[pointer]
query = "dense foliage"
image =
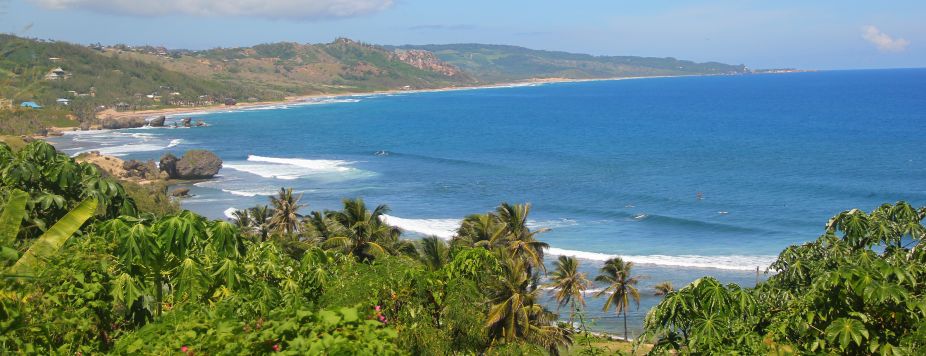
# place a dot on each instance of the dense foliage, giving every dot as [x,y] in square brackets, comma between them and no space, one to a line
[858,289]
[272,280]
[85,272]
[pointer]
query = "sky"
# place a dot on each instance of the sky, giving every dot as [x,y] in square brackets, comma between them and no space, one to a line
[818,34]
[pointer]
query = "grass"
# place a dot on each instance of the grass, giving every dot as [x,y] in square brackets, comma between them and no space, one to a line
[29,121]
[596,345]
[15,142]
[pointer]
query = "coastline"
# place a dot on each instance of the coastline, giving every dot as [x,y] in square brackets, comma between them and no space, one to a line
[112,114]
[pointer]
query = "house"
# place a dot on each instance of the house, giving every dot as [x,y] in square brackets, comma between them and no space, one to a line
[30,104]
[54,59]
[62,101]
[57,74]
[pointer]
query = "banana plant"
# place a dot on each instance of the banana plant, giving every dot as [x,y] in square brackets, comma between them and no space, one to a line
[46,245]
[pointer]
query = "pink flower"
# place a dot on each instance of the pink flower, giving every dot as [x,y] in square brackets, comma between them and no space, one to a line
[377,308]
[184,349]
[276,347]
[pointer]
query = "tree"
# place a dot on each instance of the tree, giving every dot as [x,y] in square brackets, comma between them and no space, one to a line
[286,211]
[621,287]
[434,252]
[362,233]
[569,284]
[261,221]
[664,288]
[515,314]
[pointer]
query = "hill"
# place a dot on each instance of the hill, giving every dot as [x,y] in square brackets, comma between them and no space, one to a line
[285,68]
[28,73]
[501,63]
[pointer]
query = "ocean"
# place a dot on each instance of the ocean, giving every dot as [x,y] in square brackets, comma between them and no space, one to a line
[686,176]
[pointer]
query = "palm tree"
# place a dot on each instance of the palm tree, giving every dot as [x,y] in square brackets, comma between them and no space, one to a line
[261,220]
[362,233]
[569,283]
[621,286]
[286,211]
[434,252]
[664,288]
[480,230]
[516,315]
[521,241]
[242,219]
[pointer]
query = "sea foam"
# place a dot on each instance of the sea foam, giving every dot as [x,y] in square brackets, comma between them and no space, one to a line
[230,212]
[295,168]
[446,229]
[443,228]
[730,262]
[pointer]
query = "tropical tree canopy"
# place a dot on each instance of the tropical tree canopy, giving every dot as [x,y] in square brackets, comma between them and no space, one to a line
[857,289]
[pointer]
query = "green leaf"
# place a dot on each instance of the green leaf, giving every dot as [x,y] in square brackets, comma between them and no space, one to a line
[846,330]
[13,213]
[350,314]
[52,240]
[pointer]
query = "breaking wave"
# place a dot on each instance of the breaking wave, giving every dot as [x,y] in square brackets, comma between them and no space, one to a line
[730,262]
[295,168]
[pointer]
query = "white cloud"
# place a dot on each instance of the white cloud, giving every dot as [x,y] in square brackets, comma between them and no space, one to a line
[272,9]
[883,41]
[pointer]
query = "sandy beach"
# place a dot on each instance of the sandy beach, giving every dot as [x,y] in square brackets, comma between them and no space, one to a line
[113,114]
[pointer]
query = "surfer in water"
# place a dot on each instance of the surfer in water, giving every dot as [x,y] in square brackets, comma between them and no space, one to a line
[699,196]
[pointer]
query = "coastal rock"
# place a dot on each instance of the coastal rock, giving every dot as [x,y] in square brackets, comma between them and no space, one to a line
[198,164]
[180,192]
[168,164]
[186,121]
[139,169]
[123,122]
[158,121]
[195,164]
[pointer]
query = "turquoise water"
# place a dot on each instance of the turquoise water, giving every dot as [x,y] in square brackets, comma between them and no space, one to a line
[684,176]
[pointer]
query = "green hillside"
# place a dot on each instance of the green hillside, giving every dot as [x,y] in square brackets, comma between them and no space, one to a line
[94,77]
[499,63]
[298,69]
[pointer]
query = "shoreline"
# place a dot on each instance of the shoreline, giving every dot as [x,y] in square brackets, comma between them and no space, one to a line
[169,112]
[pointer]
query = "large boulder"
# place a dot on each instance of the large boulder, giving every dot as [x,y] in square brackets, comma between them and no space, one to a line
[123,122]
[182,192]
[195,164]
[158,121]
[168,164]
[139,169]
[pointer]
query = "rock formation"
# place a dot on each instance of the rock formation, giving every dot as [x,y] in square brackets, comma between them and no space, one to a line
[139,169]
[195,164]
[158,121]
[168,164]
[123,122]
[426,60]
[180,192]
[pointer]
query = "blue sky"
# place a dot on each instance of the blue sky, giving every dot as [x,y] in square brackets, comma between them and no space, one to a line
[820,34]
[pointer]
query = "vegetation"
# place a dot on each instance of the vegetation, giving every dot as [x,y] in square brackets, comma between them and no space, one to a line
[855,290]
[87,271]
[499,63]
[620,287]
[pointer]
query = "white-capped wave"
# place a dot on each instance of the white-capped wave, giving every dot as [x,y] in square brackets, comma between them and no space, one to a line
[122,150]
[295,168]
[174,142]
[731,262]
[443,228]
[230,212]
[249,193]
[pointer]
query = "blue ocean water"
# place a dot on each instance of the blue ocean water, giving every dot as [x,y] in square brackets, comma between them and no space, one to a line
[685,176]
